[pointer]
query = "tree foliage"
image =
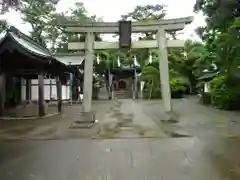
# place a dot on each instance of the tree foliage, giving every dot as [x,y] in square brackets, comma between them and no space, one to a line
[189,61]
[219,14]
[39,15]
[44,21]
[221,36]
[151,77]
[146,12]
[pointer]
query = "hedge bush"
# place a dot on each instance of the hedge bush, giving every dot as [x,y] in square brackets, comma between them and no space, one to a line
[177,88]
[225,93]
[156,94]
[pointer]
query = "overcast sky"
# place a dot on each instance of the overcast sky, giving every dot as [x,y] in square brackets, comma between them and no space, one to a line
[111,10]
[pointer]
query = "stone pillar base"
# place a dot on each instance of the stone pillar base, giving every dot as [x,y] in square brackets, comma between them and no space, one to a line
[170,117]
[86,120]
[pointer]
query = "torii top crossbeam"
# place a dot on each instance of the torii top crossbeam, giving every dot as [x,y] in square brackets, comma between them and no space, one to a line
[137,27]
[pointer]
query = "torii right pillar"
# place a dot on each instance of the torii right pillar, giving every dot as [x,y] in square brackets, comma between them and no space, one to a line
[164,69]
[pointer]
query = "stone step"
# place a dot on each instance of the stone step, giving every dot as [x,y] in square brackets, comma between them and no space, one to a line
[122,94]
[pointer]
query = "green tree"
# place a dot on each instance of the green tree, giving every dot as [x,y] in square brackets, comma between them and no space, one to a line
[46,23]
[221,33]
[151,76]
[3,25]
[146,12]
[219,16]
[39,14]
[221,36]
[77,15]
[190,61]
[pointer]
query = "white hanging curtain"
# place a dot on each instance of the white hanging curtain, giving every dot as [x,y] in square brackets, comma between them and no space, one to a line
[150,57]
[118,61]
[98,59]
[110,79]
[135,62]
[142,85]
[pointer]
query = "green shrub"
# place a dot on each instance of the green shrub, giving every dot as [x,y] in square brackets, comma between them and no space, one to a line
[177,88]
[156,93]
[225,94]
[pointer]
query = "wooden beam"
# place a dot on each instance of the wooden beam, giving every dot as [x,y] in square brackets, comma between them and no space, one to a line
[114,29]
[98,45]
[59,95]
[28,90]
[59,55]
[72,59]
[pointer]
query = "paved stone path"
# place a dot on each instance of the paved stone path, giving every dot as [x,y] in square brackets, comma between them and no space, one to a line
[197,120]
[124,149]
[129,119]
[131,159]
[56,127]
[126,119]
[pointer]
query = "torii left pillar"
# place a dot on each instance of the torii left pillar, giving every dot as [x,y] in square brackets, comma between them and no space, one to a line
[88,73]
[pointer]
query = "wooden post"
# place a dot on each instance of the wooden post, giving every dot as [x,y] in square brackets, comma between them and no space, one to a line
[164,71]
[88,73]
[2,92]
[141,89]
[135,84]
[50,93]
[109,84]
[66,91]
[59,94]
[41,109]
[28,90]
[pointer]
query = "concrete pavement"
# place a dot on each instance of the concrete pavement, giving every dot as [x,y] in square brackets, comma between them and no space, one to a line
[135,159]
[133,143]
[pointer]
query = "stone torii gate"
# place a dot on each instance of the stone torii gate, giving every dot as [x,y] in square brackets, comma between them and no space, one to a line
[159,26]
